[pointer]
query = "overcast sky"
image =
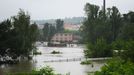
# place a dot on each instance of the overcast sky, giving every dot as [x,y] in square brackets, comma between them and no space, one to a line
[51,9]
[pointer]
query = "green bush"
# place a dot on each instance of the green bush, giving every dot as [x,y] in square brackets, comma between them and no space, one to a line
[118,44]
[125,49]
[117,67]
[118,47]
[55,52]
[128,53]
[86,62]
[37,53]
[98,49]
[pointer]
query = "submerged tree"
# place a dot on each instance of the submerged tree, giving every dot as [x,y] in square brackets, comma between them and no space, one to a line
[18,35]
[97,26]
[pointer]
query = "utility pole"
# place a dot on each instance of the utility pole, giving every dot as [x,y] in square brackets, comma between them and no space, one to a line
[104,8]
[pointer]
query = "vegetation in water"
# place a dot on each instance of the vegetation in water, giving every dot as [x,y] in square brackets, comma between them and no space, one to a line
[110,34]
[17,36]
[85,62]
[99,49]
[36,53]
[43,71]
[55,52]
[117,66]
[105,32]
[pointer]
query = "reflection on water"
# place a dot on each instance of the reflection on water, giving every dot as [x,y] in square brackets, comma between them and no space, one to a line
[74,67]
[24,66]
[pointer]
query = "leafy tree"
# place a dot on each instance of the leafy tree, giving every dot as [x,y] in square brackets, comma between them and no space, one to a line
[127,31]
[59,25]
[5,30]
[21,24]
[49,30]
[34,33]
[96,27]
[115,21]
[119,44]
[52,31]
[46,31]
[17,35]
[128,53]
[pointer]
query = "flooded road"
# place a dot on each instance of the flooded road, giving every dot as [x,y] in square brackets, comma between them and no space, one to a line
[72,67]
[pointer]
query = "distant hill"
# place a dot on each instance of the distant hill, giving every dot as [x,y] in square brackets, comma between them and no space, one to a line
[73,20]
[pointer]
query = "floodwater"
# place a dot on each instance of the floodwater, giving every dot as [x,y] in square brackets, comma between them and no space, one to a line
[72,67]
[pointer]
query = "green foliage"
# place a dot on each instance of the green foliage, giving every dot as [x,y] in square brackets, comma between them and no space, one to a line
[43,71]
[118,35]
[117,67]
[119,44]
[72,31]
[124,49]
[114,29]
[48,31]
[86,62]
[5,33]
[18,35]
[25,33]
[36,53]
[115,21]
[55,52]
[98,49]
[95,26]
[127,31]
[128,53]
[118,47]
[59,25]
[51,32]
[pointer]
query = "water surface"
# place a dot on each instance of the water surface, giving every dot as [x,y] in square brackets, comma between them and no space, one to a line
[74,67]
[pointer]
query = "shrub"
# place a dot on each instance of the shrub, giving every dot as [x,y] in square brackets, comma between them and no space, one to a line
[37,53]
[117,67]
[128,53]
[55,52]
[86,62]
[98,49]
[118,44]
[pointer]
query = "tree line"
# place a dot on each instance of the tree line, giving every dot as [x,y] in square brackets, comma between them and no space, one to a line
[49,30]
